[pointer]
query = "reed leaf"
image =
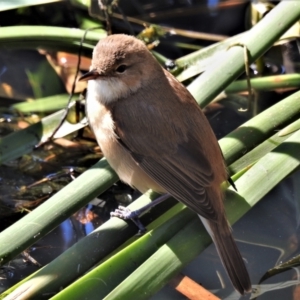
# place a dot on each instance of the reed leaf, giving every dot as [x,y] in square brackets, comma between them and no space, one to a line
[39,222]
[259,128]
[266,83]
[46,104]
[225,70]
[49,37]
[23,141]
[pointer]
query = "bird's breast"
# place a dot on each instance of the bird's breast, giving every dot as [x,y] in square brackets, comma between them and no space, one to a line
[102,123]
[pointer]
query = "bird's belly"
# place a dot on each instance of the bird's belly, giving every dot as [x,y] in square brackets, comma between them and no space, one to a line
[126,168]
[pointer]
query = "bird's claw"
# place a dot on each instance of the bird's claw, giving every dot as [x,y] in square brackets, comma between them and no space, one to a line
[125,213]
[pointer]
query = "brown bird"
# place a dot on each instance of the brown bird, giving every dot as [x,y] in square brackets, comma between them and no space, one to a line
[155,136]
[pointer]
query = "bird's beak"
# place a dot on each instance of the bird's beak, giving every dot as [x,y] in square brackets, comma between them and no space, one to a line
[93,74]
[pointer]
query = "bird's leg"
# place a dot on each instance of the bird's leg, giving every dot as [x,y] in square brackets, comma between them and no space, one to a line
[125,213]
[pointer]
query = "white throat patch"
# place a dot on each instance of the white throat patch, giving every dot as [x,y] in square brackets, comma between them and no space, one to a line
[107,90]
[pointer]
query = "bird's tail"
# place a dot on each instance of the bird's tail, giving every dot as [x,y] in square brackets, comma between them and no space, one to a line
[229,254]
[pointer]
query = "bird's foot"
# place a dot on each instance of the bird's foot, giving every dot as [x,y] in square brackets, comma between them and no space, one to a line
[125,213]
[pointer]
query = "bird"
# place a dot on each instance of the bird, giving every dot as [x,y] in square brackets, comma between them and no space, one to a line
[155,136]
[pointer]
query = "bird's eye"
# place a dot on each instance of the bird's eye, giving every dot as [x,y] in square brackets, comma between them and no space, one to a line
[121,68]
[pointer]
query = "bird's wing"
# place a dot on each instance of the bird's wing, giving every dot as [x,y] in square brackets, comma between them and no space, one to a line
[167,142]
